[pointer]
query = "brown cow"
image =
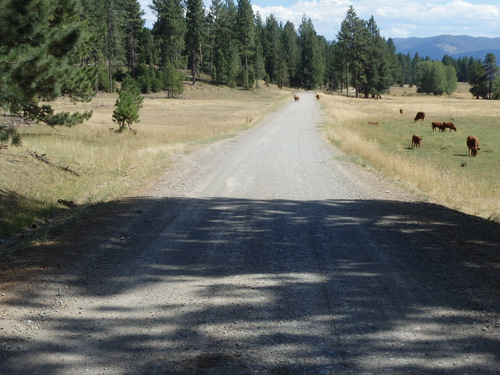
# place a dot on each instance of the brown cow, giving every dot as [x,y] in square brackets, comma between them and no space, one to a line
[449,125]
[415,141]
[473,145]
[296,98]
[436,125]
[419,116]
[401,111]
[317,96]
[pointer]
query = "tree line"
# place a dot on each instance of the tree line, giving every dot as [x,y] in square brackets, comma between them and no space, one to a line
[51,48]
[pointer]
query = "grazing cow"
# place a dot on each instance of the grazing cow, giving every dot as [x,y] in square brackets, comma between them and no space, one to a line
[401,111]
[449,125]
[296,98]
[372,122]
[442,128]
[415,141]
[317,96]
[419,116]
[436,125]
[473,145]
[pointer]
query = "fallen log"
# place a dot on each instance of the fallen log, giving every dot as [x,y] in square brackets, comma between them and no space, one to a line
[42,158]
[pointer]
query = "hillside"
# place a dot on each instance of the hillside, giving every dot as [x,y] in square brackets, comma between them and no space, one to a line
[453,45]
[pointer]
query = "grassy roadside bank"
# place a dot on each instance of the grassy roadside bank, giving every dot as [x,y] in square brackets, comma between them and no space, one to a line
[375,133]
[111,165]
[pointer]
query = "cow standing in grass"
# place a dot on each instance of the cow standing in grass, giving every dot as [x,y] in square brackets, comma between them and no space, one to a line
[419,116]
[436,125]
[449,125]
[473,145]
[415,141]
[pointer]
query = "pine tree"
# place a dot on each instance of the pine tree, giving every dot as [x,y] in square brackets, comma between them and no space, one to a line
[379,62]
[290,43]
[478,80]
[311,62]
[195,31]
[169,29]
[38,51]
[491,69]
[351,48]
[115,52]
[128,105]
[246,35]
[133,27]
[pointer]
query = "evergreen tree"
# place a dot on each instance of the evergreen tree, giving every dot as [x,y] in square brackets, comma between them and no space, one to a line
[224,52]
[311,62]
[272,42]
[38,51]
[133,28]
[478,80]
[169,30]
[378,64]
[291,54]
[128,105]
[246,36]
[352,43]
[115,51]
[491,69]
[195,31]
[172,81]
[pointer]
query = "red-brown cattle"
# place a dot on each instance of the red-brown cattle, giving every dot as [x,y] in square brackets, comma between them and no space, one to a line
[436,125]
[401,111]
[415,141]
[296,98]
[473,145]
[317,96]
[449,125]
[419,116]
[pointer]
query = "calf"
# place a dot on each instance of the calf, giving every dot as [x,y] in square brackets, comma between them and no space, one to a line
[419,116]
[296,98]
[449,125]
[415,141]
[473,145]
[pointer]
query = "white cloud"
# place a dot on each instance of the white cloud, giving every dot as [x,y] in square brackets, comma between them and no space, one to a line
[396,18]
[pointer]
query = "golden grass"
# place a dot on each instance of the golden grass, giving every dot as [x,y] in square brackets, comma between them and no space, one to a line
[112,165]
[441,168]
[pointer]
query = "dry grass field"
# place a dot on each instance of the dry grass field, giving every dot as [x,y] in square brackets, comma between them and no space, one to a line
[441,169]
[111,165]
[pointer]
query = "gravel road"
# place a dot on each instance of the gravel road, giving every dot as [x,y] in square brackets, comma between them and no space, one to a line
[266,253]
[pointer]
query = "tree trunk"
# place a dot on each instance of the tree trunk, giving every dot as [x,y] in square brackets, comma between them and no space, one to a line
[193,66]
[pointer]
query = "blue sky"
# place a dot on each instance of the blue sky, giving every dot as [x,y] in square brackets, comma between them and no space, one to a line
[395,18]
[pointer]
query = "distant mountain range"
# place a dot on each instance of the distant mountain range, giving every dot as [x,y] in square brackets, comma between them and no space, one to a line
[452,45]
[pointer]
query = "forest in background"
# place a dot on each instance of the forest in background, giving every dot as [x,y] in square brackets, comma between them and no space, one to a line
[76,48]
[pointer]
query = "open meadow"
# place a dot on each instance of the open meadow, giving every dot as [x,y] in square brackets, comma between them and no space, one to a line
[370,132]
[375,133]
[111,165]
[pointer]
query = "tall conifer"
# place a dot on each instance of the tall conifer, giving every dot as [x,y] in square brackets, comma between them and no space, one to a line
[38,51]
[195,31]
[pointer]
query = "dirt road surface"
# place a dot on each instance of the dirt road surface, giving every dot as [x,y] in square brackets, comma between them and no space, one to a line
[267,253]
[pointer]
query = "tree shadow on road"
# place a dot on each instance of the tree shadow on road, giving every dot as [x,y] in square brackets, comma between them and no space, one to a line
[271,287]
